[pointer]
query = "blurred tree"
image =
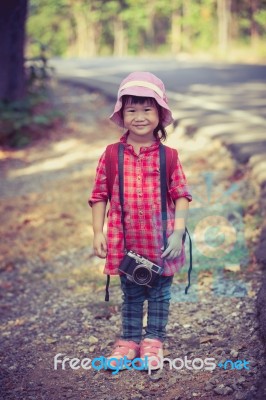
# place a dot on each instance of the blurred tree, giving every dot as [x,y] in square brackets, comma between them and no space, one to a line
[50,23]
[223,13]
[254,26]
[12,35]
[96,27]
[151,24]
[137,22]
[260,18]
[257,20]
[176,26]
[248,20]
[87,27]
[114,14]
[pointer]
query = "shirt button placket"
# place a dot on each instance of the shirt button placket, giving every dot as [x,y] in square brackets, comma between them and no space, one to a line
[140,194]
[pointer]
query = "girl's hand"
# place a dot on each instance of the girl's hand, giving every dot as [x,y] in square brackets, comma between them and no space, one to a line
[100,245]
[174,245]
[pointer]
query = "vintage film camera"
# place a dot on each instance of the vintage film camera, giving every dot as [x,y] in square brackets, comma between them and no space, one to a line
[140,270]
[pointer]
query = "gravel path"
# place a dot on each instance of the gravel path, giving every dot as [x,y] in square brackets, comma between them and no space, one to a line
[52,287]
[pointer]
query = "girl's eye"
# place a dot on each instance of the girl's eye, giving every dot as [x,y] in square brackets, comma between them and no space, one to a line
[147,109]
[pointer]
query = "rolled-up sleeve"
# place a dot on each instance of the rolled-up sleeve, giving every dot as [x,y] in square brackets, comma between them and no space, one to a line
[99,191]
[178,183]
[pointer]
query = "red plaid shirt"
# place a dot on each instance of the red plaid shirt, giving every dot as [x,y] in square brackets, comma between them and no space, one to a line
[143,225]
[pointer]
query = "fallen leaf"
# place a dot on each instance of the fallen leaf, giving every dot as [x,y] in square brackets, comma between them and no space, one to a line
[206,339]
[232,268]
[51,340]
[93,340]
[166,353]
[251,293]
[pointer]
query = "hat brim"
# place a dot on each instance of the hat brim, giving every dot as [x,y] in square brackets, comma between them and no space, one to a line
[116,117]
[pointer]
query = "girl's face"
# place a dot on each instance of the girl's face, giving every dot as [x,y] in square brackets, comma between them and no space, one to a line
[141,118]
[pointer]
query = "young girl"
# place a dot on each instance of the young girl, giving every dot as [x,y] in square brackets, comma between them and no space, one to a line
[141,109]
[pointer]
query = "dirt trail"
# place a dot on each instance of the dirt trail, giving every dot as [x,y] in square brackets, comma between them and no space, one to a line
[52,287]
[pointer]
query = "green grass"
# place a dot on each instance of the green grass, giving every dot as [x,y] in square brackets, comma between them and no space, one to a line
[22,121]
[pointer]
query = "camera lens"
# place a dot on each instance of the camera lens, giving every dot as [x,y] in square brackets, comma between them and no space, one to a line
[142,275]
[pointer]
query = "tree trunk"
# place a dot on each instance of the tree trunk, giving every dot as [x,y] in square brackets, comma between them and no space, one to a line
[150,30]
[81,34]
[223,12]
[12,38]
[253,25]
[175,33]
[234,20]
[120,40]
[87,32]
[186,43]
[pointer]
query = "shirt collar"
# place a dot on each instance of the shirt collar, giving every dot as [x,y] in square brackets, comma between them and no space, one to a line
[152,147]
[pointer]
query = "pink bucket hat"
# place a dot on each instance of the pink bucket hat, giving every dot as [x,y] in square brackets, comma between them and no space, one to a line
[143,84]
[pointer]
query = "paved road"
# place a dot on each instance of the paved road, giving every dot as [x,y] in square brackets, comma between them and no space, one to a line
[210,99]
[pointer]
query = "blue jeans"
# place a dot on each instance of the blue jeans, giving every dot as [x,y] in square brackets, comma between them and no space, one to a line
[158,298]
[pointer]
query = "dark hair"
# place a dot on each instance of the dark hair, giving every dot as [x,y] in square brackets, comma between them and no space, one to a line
[150,100]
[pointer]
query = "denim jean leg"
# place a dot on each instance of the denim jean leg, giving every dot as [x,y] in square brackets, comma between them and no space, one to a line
[132,309]
[158,308]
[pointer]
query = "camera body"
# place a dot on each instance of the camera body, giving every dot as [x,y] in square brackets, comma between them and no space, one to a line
[140,270]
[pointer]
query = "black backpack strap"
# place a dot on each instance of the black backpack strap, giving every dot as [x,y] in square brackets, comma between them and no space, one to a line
[163,185]
[121,196]
[110,166]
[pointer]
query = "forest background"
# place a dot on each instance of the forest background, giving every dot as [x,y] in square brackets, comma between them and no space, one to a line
[227,29]
[33,31]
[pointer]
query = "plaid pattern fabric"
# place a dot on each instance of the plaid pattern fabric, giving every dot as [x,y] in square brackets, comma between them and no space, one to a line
[143,225]
[158,308]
